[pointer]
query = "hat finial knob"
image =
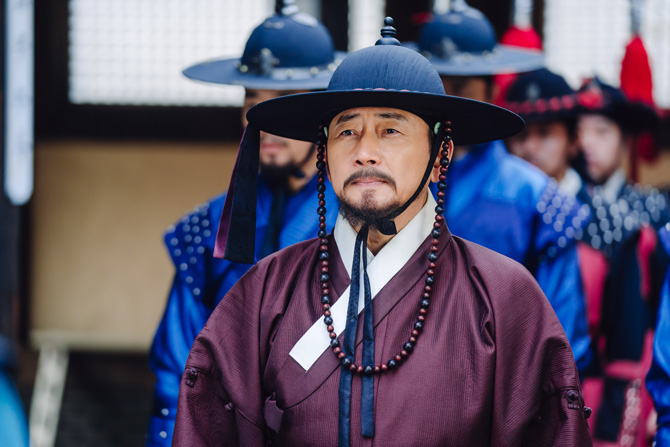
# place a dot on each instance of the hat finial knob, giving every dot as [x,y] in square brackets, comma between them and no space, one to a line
[286,7]
[388,33]
[458,5]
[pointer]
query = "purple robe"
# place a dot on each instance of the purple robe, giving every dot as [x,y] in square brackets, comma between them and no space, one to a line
[491,367]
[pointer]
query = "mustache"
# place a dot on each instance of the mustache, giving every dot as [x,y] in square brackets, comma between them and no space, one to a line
[369,172]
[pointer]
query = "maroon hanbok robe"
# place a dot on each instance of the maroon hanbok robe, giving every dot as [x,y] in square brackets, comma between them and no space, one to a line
[491,367]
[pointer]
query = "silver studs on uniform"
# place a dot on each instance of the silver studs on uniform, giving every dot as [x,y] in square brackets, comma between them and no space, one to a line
[615,222]
[187,242]
[560,212]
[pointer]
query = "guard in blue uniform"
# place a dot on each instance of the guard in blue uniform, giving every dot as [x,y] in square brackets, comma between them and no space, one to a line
[658,379]
[289,52]
[625,220]
[495,198]
[622,265]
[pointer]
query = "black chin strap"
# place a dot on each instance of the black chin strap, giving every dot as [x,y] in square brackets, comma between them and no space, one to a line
[298,171]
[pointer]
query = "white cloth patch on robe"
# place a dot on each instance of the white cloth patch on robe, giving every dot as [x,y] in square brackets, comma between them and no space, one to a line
[381,269]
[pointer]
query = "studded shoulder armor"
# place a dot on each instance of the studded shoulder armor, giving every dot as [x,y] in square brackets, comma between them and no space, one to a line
[614,223]
[190,242]
[561,220]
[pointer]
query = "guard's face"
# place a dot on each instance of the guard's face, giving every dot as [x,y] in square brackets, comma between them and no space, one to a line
[275,151]
[546,145]
[376,157]
[480,88]
[603,144]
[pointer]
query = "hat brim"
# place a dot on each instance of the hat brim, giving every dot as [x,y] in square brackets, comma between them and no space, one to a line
[226,71]
[503,59]
[634,116]
[534,116]
[298,116]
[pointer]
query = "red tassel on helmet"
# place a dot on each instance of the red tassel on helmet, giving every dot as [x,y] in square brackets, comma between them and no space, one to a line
[636,83]
[516,36]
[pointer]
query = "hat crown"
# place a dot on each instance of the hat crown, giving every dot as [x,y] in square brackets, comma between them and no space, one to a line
[608,94]
[540,84]
[295,40]
[386,66]
[635,116]
[462,29]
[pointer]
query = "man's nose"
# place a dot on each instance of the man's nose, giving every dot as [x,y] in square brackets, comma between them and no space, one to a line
[367,151]
[530,146]
[584,141]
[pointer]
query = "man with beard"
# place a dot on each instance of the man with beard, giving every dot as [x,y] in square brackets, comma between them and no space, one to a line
[495,199]
[288,52]
[456,344]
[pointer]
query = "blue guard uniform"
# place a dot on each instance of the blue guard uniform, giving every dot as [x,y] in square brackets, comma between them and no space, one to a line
[621,262]
[202,280]
[496,199]
[289,51]
[503,203]
[658,379]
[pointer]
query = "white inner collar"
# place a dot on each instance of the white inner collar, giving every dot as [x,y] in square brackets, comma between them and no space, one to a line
[571,182]
[611,188]
[381,269]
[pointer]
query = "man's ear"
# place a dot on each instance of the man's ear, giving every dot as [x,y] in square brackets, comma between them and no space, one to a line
[435,173]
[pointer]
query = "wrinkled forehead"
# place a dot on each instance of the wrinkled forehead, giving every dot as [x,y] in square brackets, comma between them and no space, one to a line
[377,113]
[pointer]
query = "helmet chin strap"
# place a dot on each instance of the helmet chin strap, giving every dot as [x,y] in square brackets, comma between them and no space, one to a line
[386,225]
[298,172]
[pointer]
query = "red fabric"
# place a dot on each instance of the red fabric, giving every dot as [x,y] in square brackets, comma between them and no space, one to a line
[636,83]
[645,249]
[592,389]
[593,268]
[516,37]
[636,80]
[521,37]
[421,18]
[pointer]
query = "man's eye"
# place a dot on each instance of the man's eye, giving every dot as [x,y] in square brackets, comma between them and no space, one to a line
[347,132]
[390,131]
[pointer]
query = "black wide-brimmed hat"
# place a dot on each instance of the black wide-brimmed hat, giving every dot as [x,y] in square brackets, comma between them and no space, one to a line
[385,75]
[541,95]
[596,97]
[462,42]
[288,51]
